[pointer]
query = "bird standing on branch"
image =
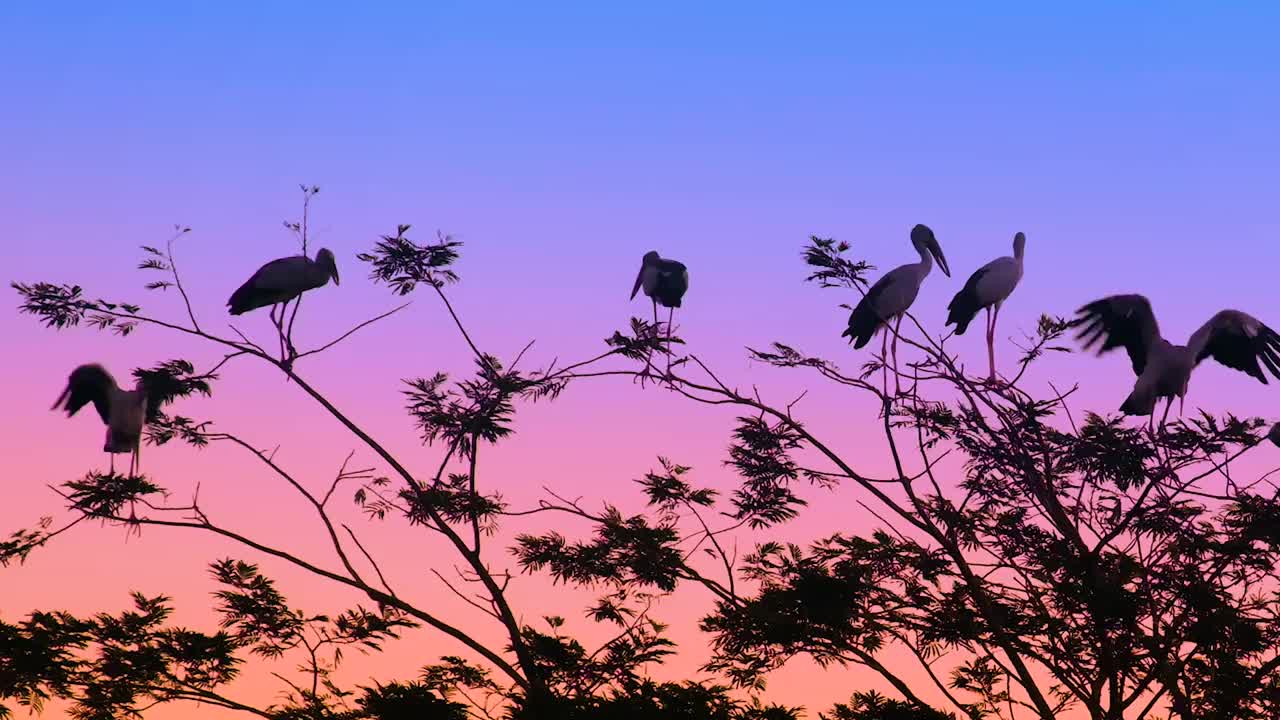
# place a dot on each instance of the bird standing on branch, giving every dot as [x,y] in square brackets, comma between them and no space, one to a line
[1233,338]
[986,289]
[665,282]
[891,297]
[124,412]
[281,281]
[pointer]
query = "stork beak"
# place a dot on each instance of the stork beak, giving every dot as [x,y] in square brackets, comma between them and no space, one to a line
[639,280]
[936,250]
[335,276]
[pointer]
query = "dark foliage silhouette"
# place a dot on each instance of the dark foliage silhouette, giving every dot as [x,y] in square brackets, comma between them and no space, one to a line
[1026,563]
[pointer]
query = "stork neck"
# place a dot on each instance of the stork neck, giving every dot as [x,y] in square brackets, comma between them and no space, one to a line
[926,260]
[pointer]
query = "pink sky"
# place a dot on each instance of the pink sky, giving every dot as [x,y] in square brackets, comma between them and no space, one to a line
[560,147]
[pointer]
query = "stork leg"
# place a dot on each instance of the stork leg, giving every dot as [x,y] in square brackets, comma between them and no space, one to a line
[897,379]
[1164,418]
[288,335]
[987,312]
[279,334]
[648,358]
[286,342]
[991,340]
[112,457]
[670,314]
[884,357]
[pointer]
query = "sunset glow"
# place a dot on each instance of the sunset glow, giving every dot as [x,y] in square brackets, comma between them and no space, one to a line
[1136,148]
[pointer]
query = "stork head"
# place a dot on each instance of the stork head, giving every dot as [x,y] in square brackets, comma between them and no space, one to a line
[1019,245]
[324,258]
[924,241]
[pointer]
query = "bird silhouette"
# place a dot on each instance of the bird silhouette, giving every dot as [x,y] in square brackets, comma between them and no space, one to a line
[892,295]
[1231,337]
[665,282]
[987,289]
[281,281]
[125,412]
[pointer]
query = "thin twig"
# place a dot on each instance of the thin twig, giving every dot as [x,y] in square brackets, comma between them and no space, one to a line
[352,331]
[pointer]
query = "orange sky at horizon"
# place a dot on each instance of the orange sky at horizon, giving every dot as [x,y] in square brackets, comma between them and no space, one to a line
[1134,147]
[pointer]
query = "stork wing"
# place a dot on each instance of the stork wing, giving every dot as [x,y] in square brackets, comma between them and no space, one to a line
[1119,320]
[87,384]
[285,273]
[866,316]
[872,300]
[969,293]
[278,281]
[673,271]
[1238,340]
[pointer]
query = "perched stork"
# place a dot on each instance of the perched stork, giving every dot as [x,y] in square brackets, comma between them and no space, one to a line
[893,294]
[665,282]
[1233,338]
[986,289]
[282,280]
[125,412]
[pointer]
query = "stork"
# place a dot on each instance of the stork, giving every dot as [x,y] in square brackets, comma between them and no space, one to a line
[665,283]
[987,289]
[124,412]
[1233,338]
[892,295]
[282,280]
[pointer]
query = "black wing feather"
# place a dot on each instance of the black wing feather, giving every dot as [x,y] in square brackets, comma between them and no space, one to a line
[1229,342]
[255,293]
[1119,321]
[864,320]
[87,384]
[673,283]
[965,305]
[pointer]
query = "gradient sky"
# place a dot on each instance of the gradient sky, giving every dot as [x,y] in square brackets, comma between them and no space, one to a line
[1136,147]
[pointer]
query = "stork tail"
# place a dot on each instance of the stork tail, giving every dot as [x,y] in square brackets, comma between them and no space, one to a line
[1139,402]
[241,300]
[962,312]
[863,323]
[965,305]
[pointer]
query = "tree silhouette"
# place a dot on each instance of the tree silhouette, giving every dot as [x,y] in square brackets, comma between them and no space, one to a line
[1031,565]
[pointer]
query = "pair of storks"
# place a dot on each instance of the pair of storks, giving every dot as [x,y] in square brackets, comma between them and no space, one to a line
[1231,337]
[892,295]
[126,412]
